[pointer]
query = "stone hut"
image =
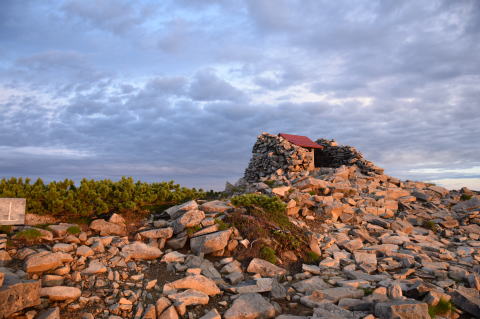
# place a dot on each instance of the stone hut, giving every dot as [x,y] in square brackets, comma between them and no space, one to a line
[284,157]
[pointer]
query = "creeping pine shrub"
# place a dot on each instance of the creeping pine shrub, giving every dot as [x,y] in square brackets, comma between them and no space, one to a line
[221,224]
[268,254]
[73,230]
[367,291]
[270,221]
[30,234]
[5,229]
[91,198]
[270,183]
[465,197]
[273,207]
[193,230]
[443,307]
[430,225]
[311,257]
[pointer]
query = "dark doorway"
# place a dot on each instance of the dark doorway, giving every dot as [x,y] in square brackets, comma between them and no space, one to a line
[322,158]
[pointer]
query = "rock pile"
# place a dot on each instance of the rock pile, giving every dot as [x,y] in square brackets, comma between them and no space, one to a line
[379,247]
[275,158]
[333,155]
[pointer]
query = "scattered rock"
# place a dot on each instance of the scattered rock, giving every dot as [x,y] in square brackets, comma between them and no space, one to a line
[197,282]
[250,306]
[141,251]
[265,268]
[61,293]
[107,228]
[210,243]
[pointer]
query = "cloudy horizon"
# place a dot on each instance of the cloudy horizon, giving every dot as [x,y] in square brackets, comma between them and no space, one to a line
[181,89]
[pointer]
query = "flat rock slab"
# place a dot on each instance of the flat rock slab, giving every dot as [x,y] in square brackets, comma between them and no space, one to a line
[166,232]
[216,206]
[61,293]
[467,299]
[187,298]
[250,306]
[190,218]
[265,268]
[46,261]
[402,309]
[318,297]
[210,243]
[16,295]
[328,310]
[196,282]
[468,205]
[177,210]
[258,285]
[311,284]
[52,313]
[107,228]
[141,251]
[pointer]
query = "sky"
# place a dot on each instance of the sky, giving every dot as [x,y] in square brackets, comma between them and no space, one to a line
[163,90]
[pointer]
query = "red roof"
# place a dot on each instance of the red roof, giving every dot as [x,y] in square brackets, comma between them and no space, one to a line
[300,140]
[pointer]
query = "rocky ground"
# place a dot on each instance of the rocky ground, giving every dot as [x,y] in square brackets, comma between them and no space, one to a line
[378,247]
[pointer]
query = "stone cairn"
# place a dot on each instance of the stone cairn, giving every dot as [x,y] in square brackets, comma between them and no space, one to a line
[334,155]
[275,158]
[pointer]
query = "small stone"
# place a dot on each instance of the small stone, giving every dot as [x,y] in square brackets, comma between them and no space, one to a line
[141,251]
[46,261]
[61,293]
[51,313]
[95,267]
[197,282]
[402,309]
[210,243]
[265,268]
[162,304]
[250,306]
[169,313]
[212,314]
[151,284]
[107,228]
[173,256]
[84,251]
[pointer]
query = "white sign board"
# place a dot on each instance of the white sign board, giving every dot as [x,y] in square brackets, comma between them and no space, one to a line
[12,211]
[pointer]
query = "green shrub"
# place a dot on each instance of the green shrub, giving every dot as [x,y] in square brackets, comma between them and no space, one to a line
[265,217]
[367,291]
[443,307]
[268,254]
[465,197]
[430,225]
[312,193]
[91,198]
[73,230]
[270,183]
[193,230]
[30,234]
[311,257]
[221,224]
[274,207]
[5,229]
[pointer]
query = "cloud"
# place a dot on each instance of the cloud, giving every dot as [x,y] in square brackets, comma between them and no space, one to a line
[115,16]
[207,86]
[180,90]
